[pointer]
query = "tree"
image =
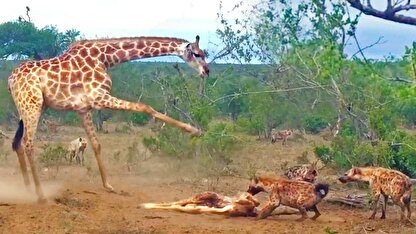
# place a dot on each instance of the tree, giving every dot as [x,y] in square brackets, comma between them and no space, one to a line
[391,11]
[23,40]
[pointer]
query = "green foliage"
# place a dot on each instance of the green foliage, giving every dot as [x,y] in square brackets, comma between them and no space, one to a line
[52,155]
[139,118]
[23,40]
[313,124]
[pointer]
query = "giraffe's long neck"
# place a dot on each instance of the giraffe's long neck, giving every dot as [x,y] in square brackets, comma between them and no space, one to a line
[113,51]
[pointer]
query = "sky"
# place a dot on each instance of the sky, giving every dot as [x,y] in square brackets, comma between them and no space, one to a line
[179,18]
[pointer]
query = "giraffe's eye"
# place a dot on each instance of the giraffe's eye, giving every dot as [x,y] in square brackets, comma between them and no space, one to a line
[196,55]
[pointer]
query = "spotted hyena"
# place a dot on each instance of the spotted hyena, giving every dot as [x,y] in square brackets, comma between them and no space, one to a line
[282,135]
[386,182]
[76,150]
[300,195]
[307,172]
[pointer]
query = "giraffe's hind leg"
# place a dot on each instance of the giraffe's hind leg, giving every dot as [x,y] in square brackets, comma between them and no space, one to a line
[89,129]
[20,150]
[110,102]
[30,110]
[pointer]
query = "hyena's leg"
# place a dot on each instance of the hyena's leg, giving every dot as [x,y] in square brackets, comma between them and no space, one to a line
[317,214]
[302,211]
[384,207]
[274,202]
[406,199]
[89,129]
[376,198]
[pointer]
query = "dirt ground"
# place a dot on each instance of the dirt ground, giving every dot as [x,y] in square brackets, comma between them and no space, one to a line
[77,203]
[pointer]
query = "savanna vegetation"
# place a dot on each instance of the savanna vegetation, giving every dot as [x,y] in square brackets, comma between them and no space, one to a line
[304,80]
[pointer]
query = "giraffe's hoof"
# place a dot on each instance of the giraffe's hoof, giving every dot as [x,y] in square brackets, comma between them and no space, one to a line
[193,131]
[108,187]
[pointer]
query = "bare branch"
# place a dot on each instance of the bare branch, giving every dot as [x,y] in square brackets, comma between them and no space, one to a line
[390,13]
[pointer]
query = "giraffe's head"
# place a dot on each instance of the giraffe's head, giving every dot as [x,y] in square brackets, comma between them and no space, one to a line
[195,57]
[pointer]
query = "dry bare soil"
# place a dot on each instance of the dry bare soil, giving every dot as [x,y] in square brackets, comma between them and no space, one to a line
[77,203]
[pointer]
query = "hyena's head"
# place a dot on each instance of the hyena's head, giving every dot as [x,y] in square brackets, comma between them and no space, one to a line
[255,186]
[82,143]
[354,174]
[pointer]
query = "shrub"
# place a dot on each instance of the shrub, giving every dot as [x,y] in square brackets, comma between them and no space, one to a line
[52,155]
[313,124]
[139,118]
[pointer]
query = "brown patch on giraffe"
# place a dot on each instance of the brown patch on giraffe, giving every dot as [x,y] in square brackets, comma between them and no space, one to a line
[49,83]
[109,58]
[99,77]
[77,88]
[90,62]
[141,53]
[156,44]
[65,76]
[101,57]
[53,76]
[148,43]
[121,54]
[116,59]
[55,68]
[45,66]
[85,68]
[30,65]
[65,65]
[88,44]
[95,84]
[83,52]
[163,50]
[133,53]
[79,60]
[94,52]
[140,45]
[88,77]
[54,87]
[128,45]
[147,50]
[109,50]
[156,53]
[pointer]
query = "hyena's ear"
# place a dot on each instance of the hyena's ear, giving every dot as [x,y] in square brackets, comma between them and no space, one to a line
[356,171]
[80,139]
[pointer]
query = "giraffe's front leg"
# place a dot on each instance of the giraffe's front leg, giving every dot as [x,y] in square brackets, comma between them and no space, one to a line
[89,129]
[111,102]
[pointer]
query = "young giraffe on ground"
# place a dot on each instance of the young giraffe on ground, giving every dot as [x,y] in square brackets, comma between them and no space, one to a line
[78,81]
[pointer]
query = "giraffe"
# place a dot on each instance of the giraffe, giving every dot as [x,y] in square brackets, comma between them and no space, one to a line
[78,81]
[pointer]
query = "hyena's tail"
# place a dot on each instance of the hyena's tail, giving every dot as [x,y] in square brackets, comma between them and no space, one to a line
[322,190]
[18,136]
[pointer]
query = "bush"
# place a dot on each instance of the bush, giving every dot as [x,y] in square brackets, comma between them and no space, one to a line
[313,124]
[139,118]
[52,155]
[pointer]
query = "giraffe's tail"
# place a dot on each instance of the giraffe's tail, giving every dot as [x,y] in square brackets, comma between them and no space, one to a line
[18,136]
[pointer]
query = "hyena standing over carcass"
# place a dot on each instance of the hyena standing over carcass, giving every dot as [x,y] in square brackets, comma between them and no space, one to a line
[76,150]
[282,135]
[300,195]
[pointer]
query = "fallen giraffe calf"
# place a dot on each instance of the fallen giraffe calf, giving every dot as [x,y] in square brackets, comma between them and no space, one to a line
[213,203]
